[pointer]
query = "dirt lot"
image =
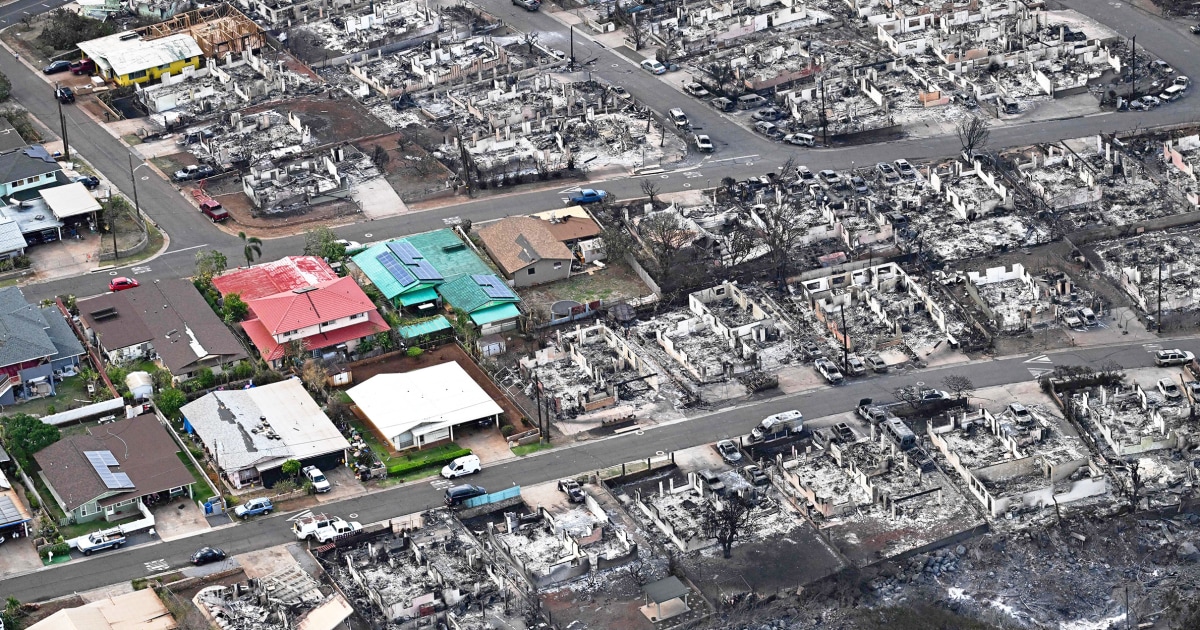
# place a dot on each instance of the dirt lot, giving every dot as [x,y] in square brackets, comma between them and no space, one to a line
[412,172]
[613,283]
[330,119]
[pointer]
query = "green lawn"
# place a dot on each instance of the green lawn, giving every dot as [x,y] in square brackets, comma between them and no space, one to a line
[80,529]
[200,491]
[381,451]
[525,449]
[72,391]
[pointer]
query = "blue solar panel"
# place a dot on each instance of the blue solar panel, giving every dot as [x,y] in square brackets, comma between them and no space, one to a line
[425,271]
[398,271]
[493,287]
[405,252]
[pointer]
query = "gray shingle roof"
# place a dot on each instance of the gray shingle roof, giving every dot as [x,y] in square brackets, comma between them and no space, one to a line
[11,239]
[23,335]
[28,162]
[60,333]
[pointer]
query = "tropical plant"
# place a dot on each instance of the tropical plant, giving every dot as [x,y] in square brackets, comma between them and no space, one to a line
[251,247]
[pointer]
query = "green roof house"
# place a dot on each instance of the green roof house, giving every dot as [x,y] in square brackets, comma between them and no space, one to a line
[418,272]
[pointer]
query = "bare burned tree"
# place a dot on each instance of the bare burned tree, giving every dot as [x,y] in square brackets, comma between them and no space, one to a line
[639,32]
[959,385]
[728,522]
[973,135]
[739,245]
[1135,483]
[664,235]
[721,73]
[530,40]
[781,228]
[650,189]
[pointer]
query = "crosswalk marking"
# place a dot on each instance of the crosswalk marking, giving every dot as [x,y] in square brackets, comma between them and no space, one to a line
[1038,372]
[304,514]
[157,565]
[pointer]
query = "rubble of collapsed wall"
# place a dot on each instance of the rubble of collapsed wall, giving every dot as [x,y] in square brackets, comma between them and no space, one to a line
[886,294]
[1182,155]
[224,84]
[412,574]
[1157,270]
[289,187]
[1009,463]
[591,368]
[280,600]
[1131,421]
[542,554]
[428,66]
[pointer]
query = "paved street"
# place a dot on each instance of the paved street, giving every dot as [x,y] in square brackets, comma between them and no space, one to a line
[739,154]
[117,566]
[188,231]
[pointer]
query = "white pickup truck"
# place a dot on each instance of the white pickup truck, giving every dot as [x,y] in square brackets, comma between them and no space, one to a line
[323,528]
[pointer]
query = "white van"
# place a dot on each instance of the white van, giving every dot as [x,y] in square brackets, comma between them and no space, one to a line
[1173,93]
[465,465]
[750,101]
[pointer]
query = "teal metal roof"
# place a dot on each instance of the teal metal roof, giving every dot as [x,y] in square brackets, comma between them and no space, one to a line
[465,293]
[416,297]
[495,313]
[442,249]
[424,328]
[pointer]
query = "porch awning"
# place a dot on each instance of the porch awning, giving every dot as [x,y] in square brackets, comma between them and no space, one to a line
[419,296]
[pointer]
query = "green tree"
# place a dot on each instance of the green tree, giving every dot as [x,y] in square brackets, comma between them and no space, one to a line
[291,468]
[169,401]
[235,310]
[205,378]
[25,435]
[322,242]
[209,264]
[5,87]
[251,247]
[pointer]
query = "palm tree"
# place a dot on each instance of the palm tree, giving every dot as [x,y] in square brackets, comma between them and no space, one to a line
[252,247]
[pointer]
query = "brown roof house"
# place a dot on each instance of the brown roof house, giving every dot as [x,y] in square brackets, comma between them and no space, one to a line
[106,472]
[526,251]
[165,320]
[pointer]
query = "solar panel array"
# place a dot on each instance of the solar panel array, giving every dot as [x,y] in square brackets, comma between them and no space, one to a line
[396,268]
[415,261]
[494,287]
[101,461]
[8,512]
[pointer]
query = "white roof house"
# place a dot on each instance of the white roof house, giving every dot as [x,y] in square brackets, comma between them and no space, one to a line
[70,200]
[251,432]
[126,52]
[418,408]
[12,242]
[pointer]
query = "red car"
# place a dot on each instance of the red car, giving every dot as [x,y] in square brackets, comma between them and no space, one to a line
[122,283]
[213,210]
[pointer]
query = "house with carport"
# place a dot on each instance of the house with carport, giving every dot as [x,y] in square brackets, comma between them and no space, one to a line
[526,251]
[422,408]
[38,349]
[250,433]
[130,57]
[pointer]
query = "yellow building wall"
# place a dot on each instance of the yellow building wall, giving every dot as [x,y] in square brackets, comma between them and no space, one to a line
[155,74]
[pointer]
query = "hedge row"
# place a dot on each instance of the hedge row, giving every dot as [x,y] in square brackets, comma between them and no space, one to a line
[399,468]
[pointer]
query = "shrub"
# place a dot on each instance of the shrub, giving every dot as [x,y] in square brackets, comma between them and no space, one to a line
[33,501]
[58,549]
[414,352]
[401,467]
[169,401]
[205,378]
[507,430]
[242,370]
[284,486]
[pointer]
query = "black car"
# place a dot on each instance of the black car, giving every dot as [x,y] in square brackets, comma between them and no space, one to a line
[64,95]
[89,181]
[55,67]
[457,494]
[206,555]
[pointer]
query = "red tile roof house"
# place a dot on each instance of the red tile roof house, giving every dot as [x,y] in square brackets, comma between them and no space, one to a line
[301,298]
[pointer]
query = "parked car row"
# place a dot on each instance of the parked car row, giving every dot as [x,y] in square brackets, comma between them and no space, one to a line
[1173,92]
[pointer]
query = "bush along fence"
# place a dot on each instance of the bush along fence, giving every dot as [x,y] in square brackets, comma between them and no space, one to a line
[399,468]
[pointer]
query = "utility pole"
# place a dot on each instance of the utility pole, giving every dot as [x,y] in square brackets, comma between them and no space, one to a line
[572,46]
[62,122]
[137,209]
[1159,322]
[824,122]
[845,341]
[1133,65]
